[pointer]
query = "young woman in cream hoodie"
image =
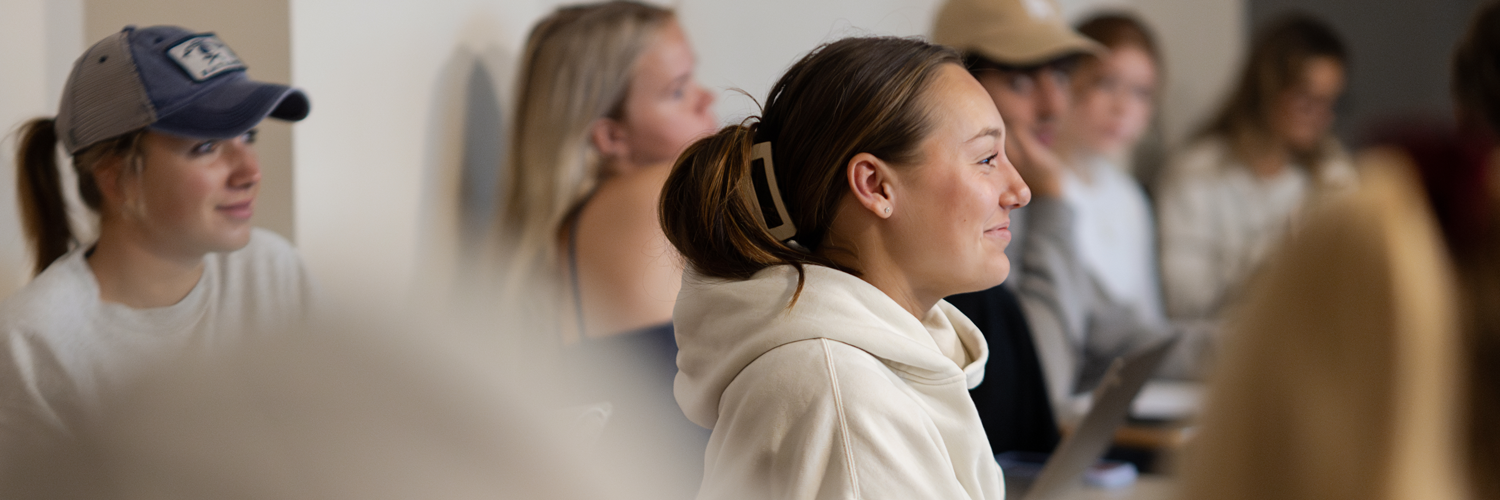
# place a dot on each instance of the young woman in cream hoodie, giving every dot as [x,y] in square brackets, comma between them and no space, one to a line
[820,239]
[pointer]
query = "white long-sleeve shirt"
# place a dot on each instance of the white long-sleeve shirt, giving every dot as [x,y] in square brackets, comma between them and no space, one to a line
[1115,232]
[1219,220]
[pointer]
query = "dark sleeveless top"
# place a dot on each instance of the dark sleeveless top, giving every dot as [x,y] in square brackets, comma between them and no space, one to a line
[634,372]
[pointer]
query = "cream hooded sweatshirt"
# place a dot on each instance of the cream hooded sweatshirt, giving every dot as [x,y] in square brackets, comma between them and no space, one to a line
[845,395]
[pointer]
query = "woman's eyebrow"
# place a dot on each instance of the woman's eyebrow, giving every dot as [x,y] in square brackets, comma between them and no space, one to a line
[990,132]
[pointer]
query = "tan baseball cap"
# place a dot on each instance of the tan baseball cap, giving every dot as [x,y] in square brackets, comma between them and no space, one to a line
[1012,32]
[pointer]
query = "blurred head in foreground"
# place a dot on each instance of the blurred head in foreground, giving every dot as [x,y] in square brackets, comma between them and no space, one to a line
[338,410]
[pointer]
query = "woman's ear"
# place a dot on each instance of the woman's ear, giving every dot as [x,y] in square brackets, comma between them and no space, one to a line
[871,180]
[119,186]
[610,138]
[107,177]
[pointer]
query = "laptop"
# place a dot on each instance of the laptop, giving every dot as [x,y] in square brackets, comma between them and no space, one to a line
[1088,442]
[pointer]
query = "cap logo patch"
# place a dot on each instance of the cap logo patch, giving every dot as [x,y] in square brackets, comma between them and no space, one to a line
[1039,9]
[204,57]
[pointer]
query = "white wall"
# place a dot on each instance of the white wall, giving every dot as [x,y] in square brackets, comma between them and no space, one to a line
[378,158]
[40,39]
[378,161]
[377,166]
[747,45]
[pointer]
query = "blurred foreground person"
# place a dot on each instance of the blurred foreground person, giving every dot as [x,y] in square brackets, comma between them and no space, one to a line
[369,409]
[1364,364]
[1227,198]
[160,123]
[821,238]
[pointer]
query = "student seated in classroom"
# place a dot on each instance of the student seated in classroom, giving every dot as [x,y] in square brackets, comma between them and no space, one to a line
[160,124]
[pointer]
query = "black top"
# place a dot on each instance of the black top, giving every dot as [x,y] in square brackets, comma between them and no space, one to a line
[1012,401]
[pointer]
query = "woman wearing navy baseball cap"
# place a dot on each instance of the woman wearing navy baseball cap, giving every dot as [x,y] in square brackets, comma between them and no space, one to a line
[160,123]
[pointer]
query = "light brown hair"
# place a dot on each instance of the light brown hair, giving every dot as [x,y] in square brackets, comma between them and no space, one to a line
[1278,57]
[1115,30]
[856,95]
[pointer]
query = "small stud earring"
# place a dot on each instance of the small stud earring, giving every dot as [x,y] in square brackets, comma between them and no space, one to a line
[887,209]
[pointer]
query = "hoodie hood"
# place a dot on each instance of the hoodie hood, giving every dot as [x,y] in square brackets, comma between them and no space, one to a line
[724,325]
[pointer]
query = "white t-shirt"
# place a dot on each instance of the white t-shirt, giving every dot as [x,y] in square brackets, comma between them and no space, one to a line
[1115,235]
[64,349]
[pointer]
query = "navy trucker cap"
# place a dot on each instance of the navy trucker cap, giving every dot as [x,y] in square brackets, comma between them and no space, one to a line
[171,80]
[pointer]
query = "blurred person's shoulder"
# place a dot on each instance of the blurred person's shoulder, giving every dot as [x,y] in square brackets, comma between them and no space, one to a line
[63,294]
[1197,174]
[640,188]
[1202,158]
[1338,171]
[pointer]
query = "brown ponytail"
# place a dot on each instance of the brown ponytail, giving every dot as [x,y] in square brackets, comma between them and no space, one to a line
[44,213]
[704,216]
[857,95]
[44,210]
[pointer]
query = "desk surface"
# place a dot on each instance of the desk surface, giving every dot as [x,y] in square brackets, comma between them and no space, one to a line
[1148,487]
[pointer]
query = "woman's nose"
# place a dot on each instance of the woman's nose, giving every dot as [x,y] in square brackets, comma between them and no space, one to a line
[246,165]
[1015,194]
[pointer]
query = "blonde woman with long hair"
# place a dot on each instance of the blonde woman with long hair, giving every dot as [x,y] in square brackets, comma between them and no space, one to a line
[607,99]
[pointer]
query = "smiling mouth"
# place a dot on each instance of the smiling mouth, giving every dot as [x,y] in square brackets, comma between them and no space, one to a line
[1002,231]
[242,210]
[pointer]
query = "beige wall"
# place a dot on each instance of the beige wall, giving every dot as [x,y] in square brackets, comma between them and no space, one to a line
[259,33]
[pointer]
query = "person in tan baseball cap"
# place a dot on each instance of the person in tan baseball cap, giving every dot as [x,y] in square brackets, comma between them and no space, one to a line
[1022,51]
[1050,318]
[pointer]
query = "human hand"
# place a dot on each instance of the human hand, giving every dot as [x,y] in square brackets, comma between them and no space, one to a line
[1038,165]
